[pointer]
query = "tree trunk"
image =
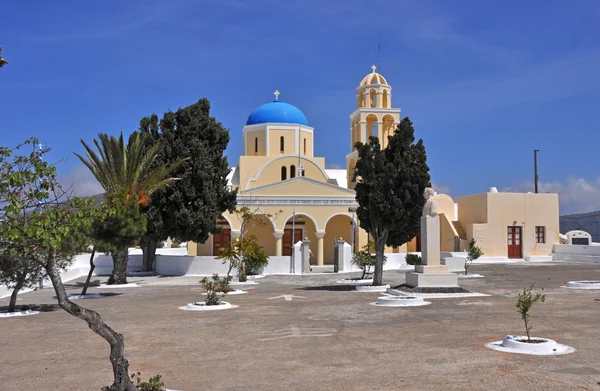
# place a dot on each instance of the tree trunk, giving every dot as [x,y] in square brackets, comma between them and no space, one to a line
[122,381]
[120,260]
[149,255]
[13,297]
[379,250]
[89,277]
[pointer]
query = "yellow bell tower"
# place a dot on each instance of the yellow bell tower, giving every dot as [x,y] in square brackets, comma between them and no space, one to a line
[374,116]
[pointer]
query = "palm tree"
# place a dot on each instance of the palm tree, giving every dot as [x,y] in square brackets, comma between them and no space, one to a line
[129,174]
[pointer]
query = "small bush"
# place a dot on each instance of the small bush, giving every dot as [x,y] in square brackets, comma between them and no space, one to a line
[256,261]
[365,259]
[474,253]
[153,384]
[215,288]
[175,245]
[525,301]
[413,259]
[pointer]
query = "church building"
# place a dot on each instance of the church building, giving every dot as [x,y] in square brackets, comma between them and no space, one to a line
[279,175]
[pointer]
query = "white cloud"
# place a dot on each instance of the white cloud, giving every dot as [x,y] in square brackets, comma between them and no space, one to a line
[333,166]
[576,195]
[441,189]
[81,181]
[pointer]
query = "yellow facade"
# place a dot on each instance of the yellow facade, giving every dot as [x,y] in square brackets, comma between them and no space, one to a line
[279,175]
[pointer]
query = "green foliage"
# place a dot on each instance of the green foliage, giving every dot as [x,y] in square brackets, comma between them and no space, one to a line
[119,224]
[37,216]
[255,260]
[389,189]
[3,62]
[413,259]
[525,301]
[189,209]
[153,384]
[474,253]
[175,245]
[215,288]
[240,251]
[365,259]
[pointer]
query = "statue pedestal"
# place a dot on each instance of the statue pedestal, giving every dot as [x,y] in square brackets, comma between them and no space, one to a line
[431,274]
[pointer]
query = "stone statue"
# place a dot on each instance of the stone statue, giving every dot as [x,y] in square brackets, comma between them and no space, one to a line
[430,208]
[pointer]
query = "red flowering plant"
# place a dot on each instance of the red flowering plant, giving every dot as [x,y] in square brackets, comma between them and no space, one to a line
[215,288]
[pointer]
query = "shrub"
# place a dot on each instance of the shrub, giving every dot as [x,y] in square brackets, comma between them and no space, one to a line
[474,253]
[215,288]
[255,261]
[175,245]
[525,301]
[413,259]
[365,259]
[153,384]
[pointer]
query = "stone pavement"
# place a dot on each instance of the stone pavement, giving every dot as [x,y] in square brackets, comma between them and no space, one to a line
[328,338]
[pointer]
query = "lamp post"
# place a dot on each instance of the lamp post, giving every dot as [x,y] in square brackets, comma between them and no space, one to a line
[353,210]
[535,171]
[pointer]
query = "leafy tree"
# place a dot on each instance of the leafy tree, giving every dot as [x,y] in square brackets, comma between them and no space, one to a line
[365,259]
[413,259]
[525,301]
[3,62]
[389,189]
[21,270]
[129,176]
[39,218]
[189,209]
[474,253]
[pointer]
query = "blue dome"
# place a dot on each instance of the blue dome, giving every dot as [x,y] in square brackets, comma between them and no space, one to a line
[279,112]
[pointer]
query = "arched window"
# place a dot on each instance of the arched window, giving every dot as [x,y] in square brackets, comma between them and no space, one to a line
[385,103]
[283,173]
[256,145]
[305,146]
[373,98]
[281,144]
[292,171]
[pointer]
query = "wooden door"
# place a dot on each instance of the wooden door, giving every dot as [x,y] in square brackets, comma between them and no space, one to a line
[514,236]
[287,240]
[221,240]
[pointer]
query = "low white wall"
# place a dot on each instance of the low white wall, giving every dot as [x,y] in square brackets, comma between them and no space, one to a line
[184,265]
[395,260]
[575,249]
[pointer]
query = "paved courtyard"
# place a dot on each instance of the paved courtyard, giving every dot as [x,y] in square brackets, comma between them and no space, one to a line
[328,338]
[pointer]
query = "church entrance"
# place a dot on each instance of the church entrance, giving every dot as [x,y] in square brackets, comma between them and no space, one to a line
[514,242]
[221,240]
[287,240]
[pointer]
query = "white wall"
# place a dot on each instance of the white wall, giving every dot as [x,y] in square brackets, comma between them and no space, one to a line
[178,265]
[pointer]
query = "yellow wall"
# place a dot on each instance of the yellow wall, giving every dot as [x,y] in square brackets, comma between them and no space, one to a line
[309,144]
[337,227]
[272,172]
[445,205]
[502,210]
[447,233]
[250,143]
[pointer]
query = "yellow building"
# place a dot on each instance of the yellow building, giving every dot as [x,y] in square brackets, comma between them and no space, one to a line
[278,174]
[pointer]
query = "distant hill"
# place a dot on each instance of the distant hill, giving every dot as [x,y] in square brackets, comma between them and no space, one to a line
[589,222]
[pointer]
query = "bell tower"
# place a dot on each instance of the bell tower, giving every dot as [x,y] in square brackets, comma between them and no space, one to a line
[374,116]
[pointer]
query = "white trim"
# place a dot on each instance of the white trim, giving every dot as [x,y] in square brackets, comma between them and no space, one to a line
[273,159]
[349,215]
[351,193]
[281,201]
[279,126]
[302,214]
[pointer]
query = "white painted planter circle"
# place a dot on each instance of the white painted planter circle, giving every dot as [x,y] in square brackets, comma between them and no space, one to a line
[354,281]
[243,283]
[255,277]
[469,276]
[201,306]
[130,285]
[18,313]
[233,292]
[585,284]
[400,301]
[513,344]
[371,288]
[86,296]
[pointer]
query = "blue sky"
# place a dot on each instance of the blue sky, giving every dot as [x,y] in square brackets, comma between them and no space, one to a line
[485,82]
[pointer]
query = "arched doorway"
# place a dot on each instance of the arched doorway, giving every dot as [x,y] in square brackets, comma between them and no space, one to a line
[261,227]
[338,226]
[296,229]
